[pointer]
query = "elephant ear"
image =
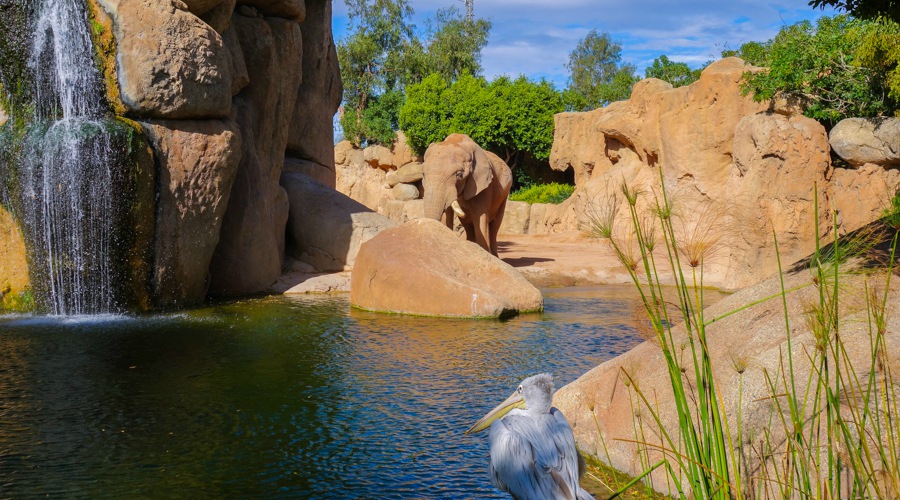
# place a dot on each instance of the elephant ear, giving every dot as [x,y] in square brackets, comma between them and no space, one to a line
[482,174]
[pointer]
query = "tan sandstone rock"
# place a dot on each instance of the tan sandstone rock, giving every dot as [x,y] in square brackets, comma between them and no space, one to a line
[170,63]
[516,218]
[251,247]
[405,192]
[13,261]
[219,17]
[311,169]
[197,162]
[379,156]
[403,153]
[744,347]
[410,173]
[358,180]
[421,267]
[867,140]
[312,131]
[325,228]
[3,117]
[861,194]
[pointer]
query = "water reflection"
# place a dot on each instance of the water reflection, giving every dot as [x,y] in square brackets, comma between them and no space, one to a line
[278,397]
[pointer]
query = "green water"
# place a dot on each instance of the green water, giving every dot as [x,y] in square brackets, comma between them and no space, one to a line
[278,397]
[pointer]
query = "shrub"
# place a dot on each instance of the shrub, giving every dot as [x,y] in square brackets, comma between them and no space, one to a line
[554,192]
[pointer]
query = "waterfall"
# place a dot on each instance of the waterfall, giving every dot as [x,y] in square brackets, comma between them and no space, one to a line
[67,177]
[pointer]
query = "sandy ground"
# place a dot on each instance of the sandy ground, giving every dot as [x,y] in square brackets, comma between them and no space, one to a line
[552,260]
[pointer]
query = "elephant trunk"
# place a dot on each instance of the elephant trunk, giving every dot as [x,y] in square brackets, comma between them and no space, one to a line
[437,205]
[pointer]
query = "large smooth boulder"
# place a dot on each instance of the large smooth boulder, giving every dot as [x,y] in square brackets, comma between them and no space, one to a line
[196,166]
[294,10]
[170,63]
[326,228]
[312,130]
[251,247]
[421,267]
[867,140]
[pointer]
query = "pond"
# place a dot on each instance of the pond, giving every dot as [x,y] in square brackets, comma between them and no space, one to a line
[278,397]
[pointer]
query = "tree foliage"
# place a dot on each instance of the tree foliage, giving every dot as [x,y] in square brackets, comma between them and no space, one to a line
[596,73]
[840,67]
[678,74]
[863,9]
[383,54]
[512,118]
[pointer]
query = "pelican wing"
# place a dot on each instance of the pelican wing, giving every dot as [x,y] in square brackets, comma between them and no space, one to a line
[535,457]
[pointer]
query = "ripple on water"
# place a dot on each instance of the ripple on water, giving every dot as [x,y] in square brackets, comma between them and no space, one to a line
[273,397]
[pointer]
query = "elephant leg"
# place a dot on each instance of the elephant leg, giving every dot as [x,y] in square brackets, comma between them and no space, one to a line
[470,230]
[495,227]
[482,232]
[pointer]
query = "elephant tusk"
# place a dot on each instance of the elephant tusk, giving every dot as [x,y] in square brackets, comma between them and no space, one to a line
[457,209]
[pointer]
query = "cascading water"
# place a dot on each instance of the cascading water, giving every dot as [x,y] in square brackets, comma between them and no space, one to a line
[66,169]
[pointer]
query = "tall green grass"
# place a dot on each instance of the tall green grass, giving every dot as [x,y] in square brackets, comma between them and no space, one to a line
[543,193]
[833,434]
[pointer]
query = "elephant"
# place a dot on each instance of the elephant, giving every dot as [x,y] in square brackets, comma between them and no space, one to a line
[459,177]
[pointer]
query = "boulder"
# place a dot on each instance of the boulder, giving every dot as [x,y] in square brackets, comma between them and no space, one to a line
[344,153]
[379,157]
[356,179]
[867,140]
[423,268]
[3,116]
[239,77]
[859,195]
[403,154]
[170,63]
[325,228]
[405,192]
[196,166]
[312,169]
[516,218]
[294,10]
[410,173]
[311,134]
[219,17]
[13,261]
[251,247]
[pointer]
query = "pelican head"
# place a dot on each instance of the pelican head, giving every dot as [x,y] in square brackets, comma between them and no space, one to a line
[534,395]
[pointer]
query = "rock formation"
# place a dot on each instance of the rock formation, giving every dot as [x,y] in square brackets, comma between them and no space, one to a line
[420,267]
[745,347]
[327,229]
[13,264]
[750,167]
[224,89]
[867,140]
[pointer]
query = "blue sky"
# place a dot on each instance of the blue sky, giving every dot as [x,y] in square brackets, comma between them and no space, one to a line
[534,37]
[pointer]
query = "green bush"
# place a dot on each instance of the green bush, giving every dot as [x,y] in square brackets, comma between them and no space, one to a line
[841,67]
[554,192]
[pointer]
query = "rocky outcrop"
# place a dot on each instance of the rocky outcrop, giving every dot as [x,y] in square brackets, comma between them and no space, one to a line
[326,228]
[867,140]
[746,168]
[13,262]
[251,247]
[225,88]
[388,181]
[745,348]
[170,63]
[197,162]
[420,267]
[311,134]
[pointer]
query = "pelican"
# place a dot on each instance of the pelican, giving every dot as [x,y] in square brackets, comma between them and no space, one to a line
[533,453]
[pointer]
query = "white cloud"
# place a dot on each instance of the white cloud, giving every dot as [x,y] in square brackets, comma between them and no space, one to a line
[534,37]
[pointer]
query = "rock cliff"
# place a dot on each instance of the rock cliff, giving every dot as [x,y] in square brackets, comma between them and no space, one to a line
[752,168]
[227,92]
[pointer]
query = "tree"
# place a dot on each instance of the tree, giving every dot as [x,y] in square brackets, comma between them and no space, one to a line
[596,75]
[512,118]
[863,9]
[827,67]
[676,73]
[383,54]
[755,53]
[372,61]
[455,44]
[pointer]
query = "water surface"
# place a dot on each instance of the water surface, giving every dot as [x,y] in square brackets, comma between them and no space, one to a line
[278,397]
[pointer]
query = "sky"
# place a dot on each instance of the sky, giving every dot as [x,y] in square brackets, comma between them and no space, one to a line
[535,37]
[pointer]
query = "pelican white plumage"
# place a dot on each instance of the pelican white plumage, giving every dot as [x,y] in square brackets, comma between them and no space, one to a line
[533,454]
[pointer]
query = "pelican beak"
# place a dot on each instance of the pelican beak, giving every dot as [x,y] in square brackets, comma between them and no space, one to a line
[457,209]
[514,401]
